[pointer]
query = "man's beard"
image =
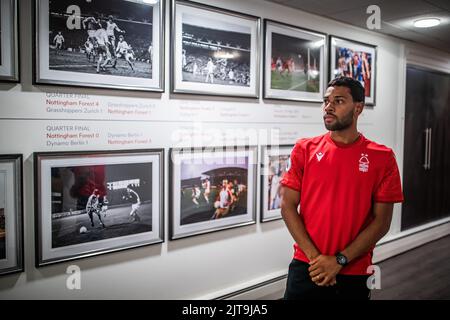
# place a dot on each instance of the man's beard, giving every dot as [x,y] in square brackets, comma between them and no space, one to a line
[341,124]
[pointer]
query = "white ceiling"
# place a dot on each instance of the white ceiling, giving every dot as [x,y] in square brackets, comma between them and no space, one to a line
[397,17]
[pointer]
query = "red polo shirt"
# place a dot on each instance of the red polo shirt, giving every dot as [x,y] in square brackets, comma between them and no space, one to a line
[338,185]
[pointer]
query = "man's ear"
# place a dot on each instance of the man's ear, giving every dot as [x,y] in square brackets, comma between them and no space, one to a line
[359,108]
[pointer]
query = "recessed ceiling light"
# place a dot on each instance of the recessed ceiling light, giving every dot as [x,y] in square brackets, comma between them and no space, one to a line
[151,1]
[427,23]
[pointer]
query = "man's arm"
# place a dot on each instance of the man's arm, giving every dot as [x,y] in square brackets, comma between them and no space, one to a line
[376,230]
[118,29]
[324,268]
[138,200]
[289,204]
[89,203]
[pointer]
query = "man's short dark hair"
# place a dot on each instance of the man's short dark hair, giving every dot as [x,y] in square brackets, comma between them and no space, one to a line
[356,88]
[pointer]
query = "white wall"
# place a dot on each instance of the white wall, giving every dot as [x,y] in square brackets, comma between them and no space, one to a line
[204,266]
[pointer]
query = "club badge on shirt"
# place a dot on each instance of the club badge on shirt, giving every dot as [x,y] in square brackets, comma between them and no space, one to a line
[364,163]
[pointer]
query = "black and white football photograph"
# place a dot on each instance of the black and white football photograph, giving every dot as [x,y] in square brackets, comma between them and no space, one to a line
[91,203]
[111,40]
[96,202]
[212,189]
[215,51]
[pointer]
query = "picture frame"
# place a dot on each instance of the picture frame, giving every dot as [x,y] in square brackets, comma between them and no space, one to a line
[274,162]
[112,44]
[9,41]
[294,62]
[212,189]
[91,203]
[345,54]
[214,51]
[11,214]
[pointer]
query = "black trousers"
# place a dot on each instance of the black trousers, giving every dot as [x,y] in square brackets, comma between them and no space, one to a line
[301,287]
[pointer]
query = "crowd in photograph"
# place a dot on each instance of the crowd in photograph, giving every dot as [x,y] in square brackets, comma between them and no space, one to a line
[356,65]
[211,68]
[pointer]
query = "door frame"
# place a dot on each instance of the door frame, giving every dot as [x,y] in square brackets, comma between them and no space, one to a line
[416,57]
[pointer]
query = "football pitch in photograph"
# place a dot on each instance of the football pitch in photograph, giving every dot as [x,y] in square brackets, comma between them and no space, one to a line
[296,80]
[76,229]
[77,61]
[92,203]
[295,64]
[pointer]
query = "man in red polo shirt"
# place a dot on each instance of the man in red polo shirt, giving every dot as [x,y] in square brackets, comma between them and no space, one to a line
[346,186]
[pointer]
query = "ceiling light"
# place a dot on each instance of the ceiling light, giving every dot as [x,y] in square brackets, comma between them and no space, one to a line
[426,23]
[151,1]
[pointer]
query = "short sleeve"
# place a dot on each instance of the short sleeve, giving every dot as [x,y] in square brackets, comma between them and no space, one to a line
[293,176]
[389,189]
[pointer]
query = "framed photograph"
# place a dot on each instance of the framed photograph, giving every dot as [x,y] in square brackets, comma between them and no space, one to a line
[294,63]
[275,161]
[117,44]
[11,214]
[214,51]
[356,60]
[89,203]
[211,189]
[9,42]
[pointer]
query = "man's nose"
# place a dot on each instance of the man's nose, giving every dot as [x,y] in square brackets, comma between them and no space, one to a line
[327,106]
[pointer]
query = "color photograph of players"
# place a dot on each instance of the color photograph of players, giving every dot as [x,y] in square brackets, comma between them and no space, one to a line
[295,64]
[294,67]
[2,217]
[277,166]
[354,64]
[356,60]
[106,37]
[215,52]
[213,191]
[92,203]
[275,161]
